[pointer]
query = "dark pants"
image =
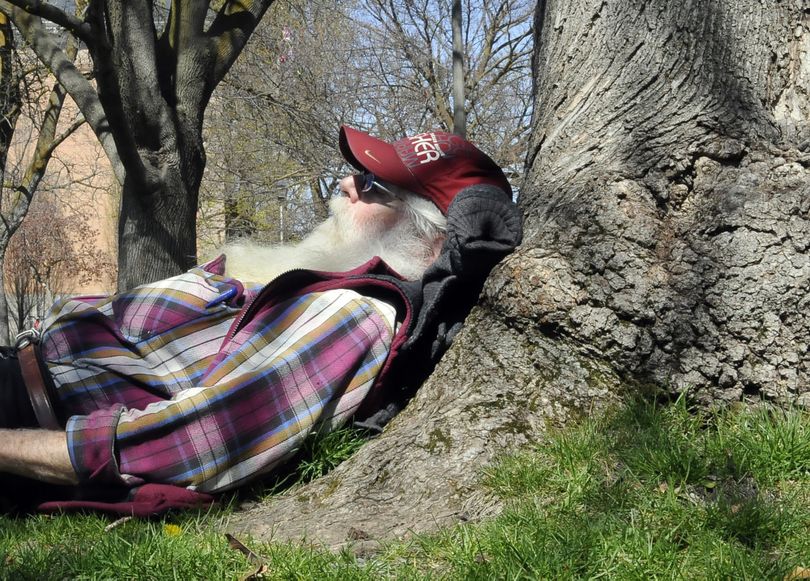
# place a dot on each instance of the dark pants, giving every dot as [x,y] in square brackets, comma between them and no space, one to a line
[18,494]
[15,407]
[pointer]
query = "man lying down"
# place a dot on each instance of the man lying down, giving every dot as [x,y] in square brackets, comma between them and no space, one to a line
[156,397]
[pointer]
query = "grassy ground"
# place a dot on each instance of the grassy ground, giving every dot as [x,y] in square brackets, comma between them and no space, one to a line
[644,493]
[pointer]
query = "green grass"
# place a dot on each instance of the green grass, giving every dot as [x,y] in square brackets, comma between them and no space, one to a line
[643,493]
[322,453]
[650,493]
[78,547]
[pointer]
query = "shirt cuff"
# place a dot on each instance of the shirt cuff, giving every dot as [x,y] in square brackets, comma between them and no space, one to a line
[91,445]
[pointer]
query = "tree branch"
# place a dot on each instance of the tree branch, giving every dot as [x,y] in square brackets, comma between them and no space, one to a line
[424,64]
[75,26]
[46,140]
[10,91]
[230,31]
[133,39]
[70,130]
[44,45]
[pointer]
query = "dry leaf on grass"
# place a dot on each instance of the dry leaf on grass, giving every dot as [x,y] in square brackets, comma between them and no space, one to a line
[257,574]
[237,545]
[798,573]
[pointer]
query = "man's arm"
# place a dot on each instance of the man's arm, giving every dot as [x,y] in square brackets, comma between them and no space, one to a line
[304,363]
[38,454]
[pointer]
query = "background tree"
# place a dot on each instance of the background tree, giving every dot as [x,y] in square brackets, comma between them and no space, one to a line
[30,132]
[410,59]
[296,82]
[49,254]
[154,72]
[667,205]
[312,66]
[459,112]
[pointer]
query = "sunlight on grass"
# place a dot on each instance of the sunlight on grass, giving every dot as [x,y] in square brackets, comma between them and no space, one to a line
[322,453]
[74,546]
[652,492]
[646,492]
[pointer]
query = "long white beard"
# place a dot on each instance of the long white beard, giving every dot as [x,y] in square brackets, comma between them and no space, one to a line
[338,244]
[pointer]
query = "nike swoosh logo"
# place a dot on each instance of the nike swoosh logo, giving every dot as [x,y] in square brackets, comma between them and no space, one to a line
[371,155]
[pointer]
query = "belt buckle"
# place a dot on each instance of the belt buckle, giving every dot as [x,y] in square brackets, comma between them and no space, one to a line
[25,338]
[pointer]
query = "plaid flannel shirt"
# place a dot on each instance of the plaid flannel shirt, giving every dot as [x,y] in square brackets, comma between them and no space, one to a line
[158,389]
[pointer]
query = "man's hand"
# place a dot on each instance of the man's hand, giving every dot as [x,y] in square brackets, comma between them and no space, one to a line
[38,454]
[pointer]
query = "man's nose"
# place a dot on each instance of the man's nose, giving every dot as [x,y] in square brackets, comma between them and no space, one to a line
[348,186]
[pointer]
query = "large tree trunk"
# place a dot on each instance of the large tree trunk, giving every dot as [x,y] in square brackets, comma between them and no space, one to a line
[157,225]
[669,188]
[158,127]
[667,207]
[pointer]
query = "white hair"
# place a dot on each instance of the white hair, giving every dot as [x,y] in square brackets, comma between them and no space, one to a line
[426,217]
[339,244]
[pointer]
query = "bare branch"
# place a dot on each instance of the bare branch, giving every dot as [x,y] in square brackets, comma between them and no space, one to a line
[75,26]
[44,45]
[9,89]
[70,130]
[459,114]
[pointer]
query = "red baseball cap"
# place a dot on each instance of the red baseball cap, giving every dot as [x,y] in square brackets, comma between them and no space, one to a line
[436,164]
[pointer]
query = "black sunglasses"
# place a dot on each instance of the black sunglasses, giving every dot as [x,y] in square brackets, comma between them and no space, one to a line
[370,182]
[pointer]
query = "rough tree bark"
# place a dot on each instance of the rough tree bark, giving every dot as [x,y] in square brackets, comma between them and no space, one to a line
[669,190]
[667,206]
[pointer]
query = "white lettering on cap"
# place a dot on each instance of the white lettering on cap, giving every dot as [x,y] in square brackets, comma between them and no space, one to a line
[426,147]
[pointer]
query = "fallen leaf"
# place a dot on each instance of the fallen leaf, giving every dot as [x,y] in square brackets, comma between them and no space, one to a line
[798,573]
[257,574]
[237,545]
